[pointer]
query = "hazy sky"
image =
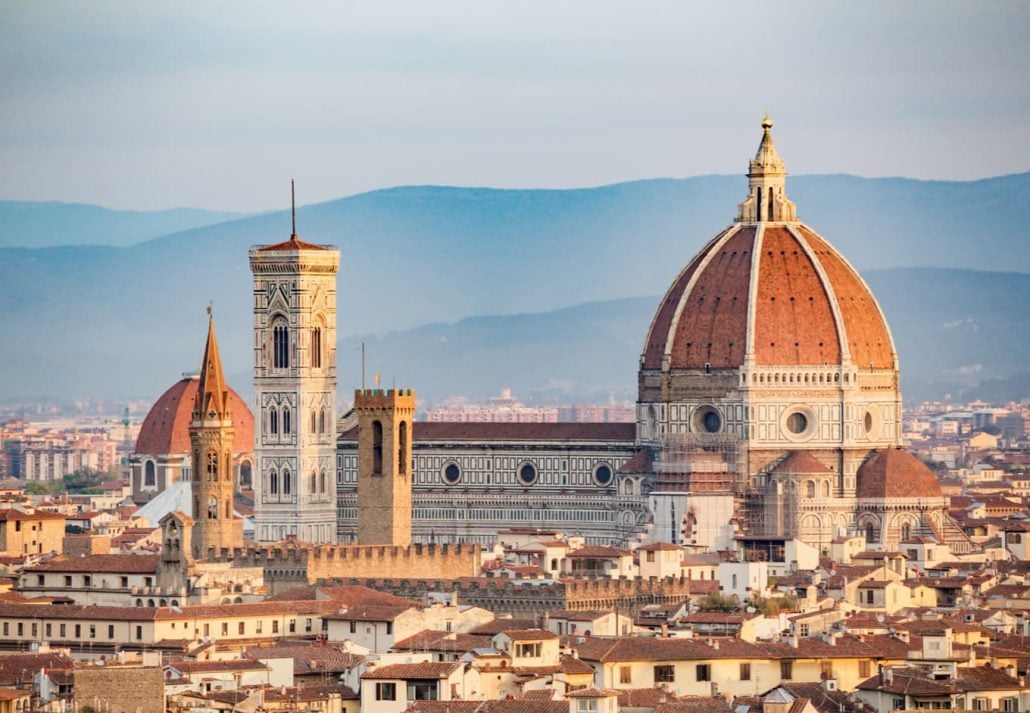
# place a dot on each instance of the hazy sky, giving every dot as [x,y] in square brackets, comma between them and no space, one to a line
[156,105]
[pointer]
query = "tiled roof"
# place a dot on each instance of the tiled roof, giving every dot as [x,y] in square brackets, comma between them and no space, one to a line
[406,671]
[496,626]
[100,564]
[913,681]
[13,514]
[529,634]
[193,667]
[308,659]
[597,552]
[659,547]
[429,640]
[370,612]
[522,705]
[475,431]
[895,473]
[801,462]
[294,243]
[13,667]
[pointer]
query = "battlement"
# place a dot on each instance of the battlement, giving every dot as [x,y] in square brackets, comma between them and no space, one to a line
[504,595]
[292,565]
[384,399]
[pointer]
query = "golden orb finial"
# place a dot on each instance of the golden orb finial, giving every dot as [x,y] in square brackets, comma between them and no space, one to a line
[767,121]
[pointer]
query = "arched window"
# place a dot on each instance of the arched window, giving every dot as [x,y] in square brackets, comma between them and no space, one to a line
[906,531]
[321,482]
[212,465]
[228,510]
[314,482]
[286,420]
[273,421]
[273,482]
[810,488]
[826,488]
[321,421]
[149,474]
[402,448]
[280,344]
[870,534]
[734,581]
[377,448]
[316,347]
[313,424]
[287,483]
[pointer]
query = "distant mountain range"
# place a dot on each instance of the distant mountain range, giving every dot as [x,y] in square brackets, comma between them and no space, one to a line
[122,322]
[42,225]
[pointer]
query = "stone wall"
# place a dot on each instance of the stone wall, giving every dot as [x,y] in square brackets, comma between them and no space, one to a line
[119,689]
[85,545]
[520,597]
[297,566]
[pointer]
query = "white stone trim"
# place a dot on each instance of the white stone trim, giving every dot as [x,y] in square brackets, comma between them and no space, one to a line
[709,250]
[752,297]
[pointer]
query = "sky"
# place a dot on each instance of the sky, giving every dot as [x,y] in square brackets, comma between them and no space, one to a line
[146,105]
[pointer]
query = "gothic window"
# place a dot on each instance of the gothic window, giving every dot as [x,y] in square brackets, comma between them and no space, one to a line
[906,531]
[316,347]
[149,474]
[287,483]
[245,474]
[212,508]
[321,482]
[314,482]
[377,448]
[273,421]
[313,420]
[228,510]
[321,421]
[402,448]
[212,465]
[870,534]
[280,344]
[228,467]
[286,420]
[273,482]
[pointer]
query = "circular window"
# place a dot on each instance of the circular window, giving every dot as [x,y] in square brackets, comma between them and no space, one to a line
[868,421]
[707,420]
[797,422]
[603,475]
[451,473]
[527,474]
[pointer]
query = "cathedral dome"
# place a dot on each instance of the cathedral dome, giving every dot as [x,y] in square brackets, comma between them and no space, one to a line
[896,473]
[768,291]
[166,429]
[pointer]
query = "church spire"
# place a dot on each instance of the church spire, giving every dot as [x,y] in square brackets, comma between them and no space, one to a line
[212,394]
[766,182]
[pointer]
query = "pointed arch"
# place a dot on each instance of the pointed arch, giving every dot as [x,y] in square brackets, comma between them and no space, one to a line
[402,448]
[377,448]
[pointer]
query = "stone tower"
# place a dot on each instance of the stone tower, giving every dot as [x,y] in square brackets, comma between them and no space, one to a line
[211,441]
[384,465]
[295,390]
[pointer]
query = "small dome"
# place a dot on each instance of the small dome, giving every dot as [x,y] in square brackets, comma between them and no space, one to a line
[896,473]
[166,429]
[800,463]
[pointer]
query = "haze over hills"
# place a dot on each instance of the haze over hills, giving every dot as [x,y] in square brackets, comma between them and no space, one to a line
[39,225]
[123,322]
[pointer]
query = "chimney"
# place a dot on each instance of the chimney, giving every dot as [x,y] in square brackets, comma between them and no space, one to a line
[665,630]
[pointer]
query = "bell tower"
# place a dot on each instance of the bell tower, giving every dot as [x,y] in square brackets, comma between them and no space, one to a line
[211,434]
[384,465]
[295,390]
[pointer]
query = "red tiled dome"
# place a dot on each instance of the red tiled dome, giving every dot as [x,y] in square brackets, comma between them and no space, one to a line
[896,473]
[166,429]
[803,304]
[800,463]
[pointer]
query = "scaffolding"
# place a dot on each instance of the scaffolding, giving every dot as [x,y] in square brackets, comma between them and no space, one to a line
[700,463]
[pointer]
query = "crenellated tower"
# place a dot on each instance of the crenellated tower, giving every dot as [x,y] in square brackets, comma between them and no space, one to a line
[295,390]
[211,441]
[384,465]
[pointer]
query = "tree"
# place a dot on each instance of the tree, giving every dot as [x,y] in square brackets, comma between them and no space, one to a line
[718,602]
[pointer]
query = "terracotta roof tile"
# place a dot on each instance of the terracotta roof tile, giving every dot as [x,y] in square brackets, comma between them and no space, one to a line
[166,427]
[895,473]
[424,670]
